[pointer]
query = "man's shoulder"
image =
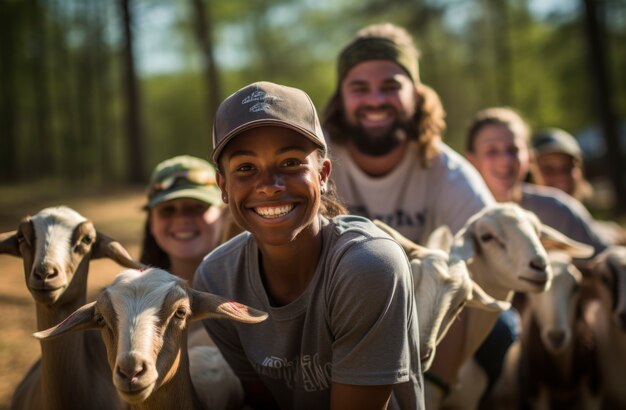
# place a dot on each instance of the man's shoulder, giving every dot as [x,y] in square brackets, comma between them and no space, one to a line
[450,159]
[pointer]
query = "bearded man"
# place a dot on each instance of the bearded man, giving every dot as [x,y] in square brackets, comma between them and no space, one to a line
[384,128]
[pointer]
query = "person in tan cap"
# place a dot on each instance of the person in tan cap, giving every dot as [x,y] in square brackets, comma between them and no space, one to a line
[342,327]
[560,163]
[385,129]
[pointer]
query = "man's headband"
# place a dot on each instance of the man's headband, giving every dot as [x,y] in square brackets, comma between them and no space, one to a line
[378,48]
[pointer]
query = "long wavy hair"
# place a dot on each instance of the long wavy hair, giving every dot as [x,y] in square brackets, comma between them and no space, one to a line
[151,253]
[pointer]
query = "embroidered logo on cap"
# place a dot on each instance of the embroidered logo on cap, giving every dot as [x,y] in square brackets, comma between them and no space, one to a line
[262,99]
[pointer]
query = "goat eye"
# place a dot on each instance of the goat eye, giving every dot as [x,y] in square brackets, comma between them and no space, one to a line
[87,239]
[486,237]
[181,312]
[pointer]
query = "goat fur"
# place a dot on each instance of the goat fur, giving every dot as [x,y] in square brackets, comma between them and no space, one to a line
[142,318]
[56,246]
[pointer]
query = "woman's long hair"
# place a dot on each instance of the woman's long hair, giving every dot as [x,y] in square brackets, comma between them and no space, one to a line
[151,252]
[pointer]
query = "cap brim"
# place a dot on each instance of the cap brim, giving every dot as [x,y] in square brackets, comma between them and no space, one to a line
[556,149]
[206,196]
[263,122]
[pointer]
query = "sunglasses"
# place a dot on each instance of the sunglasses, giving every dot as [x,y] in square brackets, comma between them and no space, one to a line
[195,176]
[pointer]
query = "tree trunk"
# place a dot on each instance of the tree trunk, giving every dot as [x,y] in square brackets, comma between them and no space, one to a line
[203,29]
[44,161]
[8,96]
[134,131]
[604,101]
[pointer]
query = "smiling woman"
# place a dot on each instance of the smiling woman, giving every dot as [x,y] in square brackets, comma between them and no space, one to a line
[342,328]
[185,215]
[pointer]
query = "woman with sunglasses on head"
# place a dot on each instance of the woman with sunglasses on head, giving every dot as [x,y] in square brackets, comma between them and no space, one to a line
[185,221]
[185,215]
[342,327]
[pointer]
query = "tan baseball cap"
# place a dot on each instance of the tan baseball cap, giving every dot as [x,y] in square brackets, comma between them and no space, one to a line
[556,140]
[265,104]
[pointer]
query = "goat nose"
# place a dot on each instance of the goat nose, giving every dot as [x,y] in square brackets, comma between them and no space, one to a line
[557,337]
[131,371]
[538,263]
[46,271]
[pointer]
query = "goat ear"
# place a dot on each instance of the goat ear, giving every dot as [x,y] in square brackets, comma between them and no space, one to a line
[9,244]
[205,305]
[464,245]
[613,255]
[105,247]
[409,247]
[441,238]
[483,301]
[551,239]
[81,319]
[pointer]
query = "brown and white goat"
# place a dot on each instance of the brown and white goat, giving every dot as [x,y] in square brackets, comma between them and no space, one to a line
[607,318]
[57,245]
[142,318]
[559,366]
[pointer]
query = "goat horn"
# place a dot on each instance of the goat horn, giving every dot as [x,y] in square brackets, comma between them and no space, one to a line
[106,247]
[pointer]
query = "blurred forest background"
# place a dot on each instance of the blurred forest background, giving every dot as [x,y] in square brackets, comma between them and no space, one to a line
[94,93]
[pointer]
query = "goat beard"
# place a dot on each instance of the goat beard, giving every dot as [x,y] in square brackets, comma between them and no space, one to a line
[381,144]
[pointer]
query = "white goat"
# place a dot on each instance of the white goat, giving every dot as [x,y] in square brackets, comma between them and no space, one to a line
[559,362]
[442,287]
[607,318]
[504,247]
[143,317]
[57,245]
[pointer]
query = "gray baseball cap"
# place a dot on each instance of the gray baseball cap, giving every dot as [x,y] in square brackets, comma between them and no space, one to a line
[265,104]
[556,140]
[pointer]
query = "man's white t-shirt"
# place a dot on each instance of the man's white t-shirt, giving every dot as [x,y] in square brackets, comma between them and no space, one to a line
[413,199]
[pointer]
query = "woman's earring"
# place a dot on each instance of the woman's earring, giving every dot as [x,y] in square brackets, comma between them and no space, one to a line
[323,189]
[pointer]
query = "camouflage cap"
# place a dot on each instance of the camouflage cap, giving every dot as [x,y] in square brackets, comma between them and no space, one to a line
[183,176]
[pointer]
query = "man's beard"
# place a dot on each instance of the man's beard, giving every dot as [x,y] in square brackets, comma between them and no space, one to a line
[381,144]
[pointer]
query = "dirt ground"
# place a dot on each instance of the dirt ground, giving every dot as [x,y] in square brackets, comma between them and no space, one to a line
[117,214]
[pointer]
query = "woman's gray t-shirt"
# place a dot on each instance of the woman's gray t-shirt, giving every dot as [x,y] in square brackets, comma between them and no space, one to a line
[561,212]
[356,323]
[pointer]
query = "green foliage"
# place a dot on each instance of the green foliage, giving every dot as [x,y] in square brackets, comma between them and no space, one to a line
[475,54]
